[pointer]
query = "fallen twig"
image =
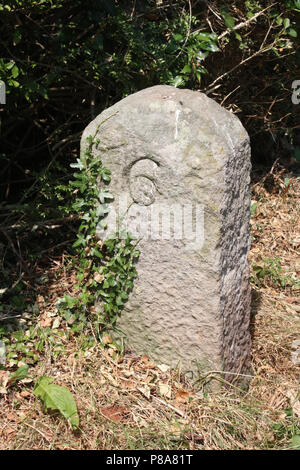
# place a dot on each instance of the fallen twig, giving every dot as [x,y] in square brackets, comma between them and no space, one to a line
[179,412]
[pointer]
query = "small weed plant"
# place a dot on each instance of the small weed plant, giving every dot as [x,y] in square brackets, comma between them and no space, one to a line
[271,271]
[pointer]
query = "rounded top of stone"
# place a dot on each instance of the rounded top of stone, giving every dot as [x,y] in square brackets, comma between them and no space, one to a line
[170,98]
[163,115]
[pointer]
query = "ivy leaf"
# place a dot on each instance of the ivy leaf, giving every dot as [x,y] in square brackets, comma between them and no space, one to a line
[106,178]
[292,32]
[15,71]
[203,36]
[105,195]
[228,19]
[238,37]
[253,209]
[14,83]
[201,55]
[209,46]
[178,37]
[55,397]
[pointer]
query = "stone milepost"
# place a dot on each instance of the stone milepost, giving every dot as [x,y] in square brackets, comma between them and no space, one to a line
[180,168]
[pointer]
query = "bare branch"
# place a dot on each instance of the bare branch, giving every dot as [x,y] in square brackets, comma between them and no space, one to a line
[247,22]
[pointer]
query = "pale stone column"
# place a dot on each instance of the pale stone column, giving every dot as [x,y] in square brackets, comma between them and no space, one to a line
[182,164]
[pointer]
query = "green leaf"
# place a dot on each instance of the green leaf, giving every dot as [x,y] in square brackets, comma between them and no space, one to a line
[228,19]
[14,83]
[186,69]
[213,36]
[55,397]
[292,33]
[20,374]
[177,81]
[286,23]
[70,301]
[106,178]
[209,46]
[78,242]
[108,195]
[253,209]
[9,65]
[178,37]
[201,55]
[288,411]
[203,36]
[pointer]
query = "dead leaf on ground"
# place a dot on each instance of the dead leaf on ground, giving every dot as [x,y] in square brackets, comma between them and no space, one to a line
[145,391]
[128,384]
[293,395]
[148,363]
[182,396]
[9,433]
[12,417]
[56,323]
[45,322]
[150,379]
[198,438]
[107,339]
[4,376]
[145,358]
[116,413]
[128,373]
[98,277]
[165,390]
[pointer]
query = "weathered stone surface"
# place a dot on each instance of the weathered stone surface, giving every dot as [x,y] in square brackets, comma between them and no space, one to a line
[177,149]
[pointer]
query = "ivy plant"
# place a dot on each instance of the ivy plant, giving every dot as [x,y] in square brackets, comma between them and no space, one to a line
[106,270]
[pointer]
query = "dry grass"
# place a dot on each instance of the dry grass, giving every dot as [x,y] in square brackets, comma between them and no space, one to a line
[128,402]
